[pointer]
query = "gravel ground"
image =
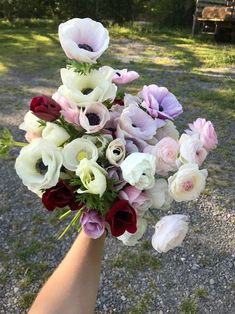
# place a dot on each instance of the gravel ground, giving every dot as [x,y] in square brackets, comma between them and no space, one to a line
[195,278]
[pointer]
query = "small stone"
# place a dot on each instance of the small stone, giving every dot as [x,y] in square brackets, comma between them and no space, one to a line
[123,298]
[212,281]
[160,312]
[16,289]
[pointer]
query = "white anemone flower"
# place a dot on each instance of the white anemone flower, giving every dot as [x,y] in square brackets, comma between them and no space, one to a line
[38,165]
[86,89]
[55,134]
[93,177]
[83,39]
[74,152]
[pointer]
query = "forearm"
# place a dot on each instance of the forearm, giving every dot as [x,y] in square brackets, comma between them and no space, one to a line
[72,289]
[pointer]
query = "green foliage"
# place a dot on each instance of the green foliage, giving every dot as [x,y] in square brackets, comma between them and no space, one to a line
[201,293]
[72,131]
[165,12]
[188,306]
[82,68]
[5,142]
[93,201]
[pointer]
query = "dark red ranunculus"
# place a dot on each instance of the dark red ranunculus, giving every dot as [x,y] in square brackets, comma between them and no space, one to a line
[45,108]
[118,101]
[60,196]
[121,217]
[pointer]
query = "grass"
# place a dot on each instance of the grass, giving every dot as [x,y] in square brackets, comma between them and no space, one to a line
[141,261]
[188,306]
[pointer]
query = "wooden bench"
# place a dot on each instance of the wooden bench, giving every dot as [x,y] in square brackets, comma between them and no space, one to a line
[217,13]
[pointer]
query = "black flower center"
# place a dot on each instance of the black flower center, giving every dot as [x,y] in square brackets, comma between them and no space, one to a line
[160,108]
[85,47]
[87,91]
[41,167]
[118,74]
[93,118]
[134,126]
[116,151]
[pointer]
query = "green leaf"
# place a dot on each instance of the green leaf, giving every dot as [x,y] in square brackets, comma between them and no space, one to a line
[93,201]
[72,131]
[82,68]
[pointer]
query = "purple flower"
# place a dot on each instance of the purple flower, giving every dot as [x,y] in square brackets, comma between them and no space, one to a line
[160,103]
[137,123]
[92,224]
[115,173]
[124,76]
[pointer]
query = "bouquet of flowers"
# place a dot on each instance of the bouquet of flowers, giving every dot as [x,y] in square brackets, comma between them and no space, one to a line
[107,157]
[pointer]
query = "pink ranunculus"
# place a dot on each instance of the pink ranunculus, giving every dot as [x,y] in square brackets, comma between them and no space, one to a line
[139,200]
[160,103]
[69,111]
[83,39]
[205,131]
[94,117]
[137,123]
[165,151]
[124,76]
[209,136]
[92,224]
[30,136]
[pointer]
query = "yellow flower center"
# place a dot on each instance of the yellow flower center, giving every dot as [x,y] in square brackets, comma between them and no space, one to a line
[81,155]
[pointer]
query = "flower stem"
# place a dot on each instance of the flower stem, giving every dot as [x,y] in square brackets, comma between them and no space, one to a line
[72,222]
[21,144]
[64,215]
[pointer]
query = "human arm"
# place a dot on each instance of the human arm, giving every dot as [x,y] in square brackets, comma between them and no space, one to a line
[72,288]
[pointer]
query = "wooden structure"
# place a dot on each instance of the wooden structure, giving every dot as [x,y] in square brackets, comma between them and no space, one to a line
[216,17]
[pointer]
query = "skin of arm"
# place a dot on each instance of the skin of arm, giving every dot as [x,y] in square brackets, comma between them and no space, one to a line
[73,287]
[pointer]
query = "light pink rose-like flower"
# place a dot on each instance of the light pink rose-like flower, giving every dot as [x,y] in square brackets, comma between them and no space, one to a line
[124,76]
[206,132]
[69,111]
[160,103]
[94,117]
[83,39]
[139,200]
[137,123]
[30,136]
[191,150]
[165,151]
[92,224]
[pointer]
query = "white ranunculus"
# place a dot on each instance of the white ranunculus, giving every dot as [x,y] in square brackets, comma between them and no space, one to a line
[168,130]
[191,150]
[187,183]
[31,124]
[38,165]
[115,152]
[93,177]
[138,169]
[100,141]
[131,239]
[83,39]
[86,89]
[55,134]
[170,231]
[77,150]
[159,194]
